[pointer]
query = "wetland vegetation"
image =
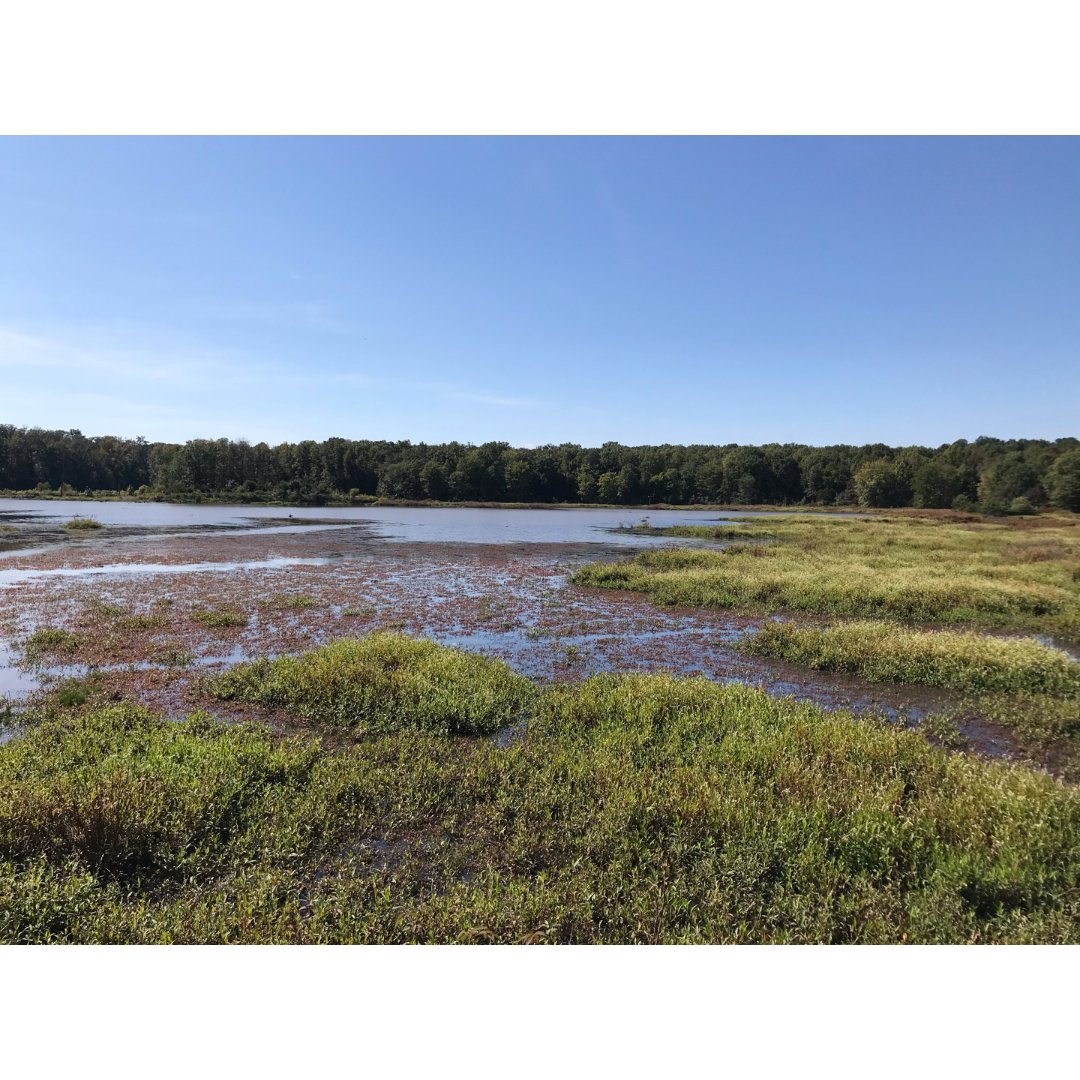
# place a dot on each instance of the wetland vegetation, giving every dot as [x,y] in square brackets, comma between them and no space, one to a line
[916,596]
[331,780]
[633,808]
[912,569]
[882,652]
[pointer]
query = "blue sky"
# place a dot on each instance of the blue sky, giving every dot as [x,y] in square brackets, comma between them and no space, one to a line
[542,290]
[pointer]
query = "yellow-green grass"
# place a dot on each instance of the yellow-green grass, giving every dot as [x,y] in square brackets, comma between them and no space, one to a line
[634,809]
[955,660]
[908,569]
[383,682]
[84,524]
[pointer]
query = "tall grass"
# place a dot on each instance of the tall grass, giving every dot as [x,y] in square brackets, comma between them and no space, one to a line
[383,682]
[954,660]
[83,524]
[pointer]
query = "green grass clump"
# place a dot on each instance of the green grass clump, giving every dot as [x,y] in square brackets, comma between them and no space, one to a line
[955,660]
[144,620]
[220,617]
[74,693]
[83,523]
[909,569]
[105,610]
[51,641]
[382,683]
[634,809]
[288,602]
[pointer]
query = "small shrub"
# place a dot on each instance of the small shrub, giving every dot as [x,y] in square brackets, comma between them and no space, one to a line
[83,524]
[71,693]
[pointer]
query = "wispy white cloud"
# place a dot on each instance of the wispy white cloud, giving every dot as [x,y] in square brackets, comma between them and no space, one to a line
[172,367]
[25,350]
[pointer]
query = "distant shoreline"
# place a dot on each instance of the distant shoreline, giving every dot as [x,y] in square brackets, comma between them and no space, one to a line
[466,504]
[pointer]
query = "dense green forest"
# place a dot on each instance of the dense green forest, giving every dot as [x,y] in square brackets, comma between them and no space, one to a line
[994,475]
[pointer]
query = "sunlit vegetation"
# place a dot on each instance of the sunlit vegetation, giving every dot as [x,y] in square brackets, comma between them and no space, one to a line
[83,524]
[912,570]
[384,682]
[632,809]
[999,476]
[955,660]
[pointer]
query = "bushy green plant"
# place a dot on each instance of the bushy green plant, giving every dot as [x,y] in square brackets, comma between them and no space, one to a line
[634,809]
[384,682]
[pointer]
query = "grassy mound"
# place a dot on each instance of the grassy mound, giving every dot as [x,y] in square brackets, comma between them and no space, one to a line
[83,524]
[382,683]
[636,809]
[955,660]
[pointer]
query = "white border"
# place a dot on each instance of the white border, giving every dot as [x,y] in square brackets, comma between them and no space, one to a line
[556,67]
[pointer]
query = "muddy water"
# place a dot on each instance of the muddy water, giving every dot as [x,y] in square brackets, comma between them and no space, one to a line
[432,571]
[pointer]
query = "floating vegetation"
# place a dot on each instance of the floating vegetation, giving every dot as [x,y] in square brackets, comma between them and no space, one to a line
[219,618]
[51,641]
[288,602]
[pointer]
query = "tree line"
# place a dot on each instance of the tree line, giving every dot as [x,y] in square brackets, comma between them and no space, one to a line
[993,475]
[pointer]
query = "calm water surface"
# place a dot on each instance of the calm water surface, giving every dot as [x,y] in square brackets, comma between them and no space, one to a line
[462,525]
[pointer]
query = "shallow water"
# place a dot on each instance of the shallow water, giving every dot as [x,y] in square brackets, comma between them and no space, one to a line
[17,577]
[459,525]
[485,580]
